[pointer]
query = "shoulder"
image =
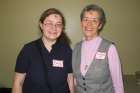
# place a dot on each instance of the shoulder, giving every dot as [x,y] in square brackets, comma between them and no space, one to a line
[78,45]
[110,46]
[30,46]
[32,43]
[105,44]
[112,49]
[64,46]
[107,41]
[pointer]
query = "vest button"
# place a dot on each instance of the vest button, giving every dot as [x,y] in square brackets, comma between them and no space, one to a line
[84,84]
[83,78]
[85,89]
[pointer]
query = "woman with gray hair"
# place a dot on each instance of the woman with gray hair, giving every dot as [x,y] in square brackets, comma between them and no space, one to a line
[95,60]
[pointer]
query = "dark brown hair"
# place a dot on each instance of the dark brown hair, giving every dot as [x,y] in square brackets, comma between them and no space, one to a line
[63,37]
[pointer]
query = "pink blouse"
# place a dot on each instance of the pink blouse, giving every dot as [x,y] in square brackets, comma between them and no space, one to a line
[89,49]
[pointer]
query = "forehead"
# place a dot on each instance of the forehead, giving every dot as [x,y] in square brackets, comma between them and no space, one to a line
[53,17]
[91,14]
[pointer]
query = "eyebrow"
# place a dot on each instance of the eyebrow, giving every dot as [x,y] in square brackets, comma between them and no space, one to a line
[91,18]
[51,22]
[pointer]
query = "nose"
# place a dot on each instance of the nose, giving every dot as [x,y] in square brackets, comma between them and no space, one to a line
[89,23]
[54,27]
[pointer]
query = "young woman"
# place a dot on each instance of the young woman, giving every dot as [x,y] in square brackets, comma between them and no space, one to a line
[44,65]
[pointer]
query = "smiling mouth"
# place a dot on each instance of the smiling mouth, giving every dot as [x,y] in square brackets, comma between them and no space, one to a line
[88,29]
[52,33]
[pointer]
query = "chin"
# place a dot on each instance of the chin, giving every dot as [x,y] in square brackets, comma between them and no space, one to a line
[88,33]
[54,38]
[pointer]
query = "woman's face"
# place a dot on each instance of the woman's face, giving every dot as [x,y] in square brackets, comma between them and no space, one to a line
[52,27]
[90,24]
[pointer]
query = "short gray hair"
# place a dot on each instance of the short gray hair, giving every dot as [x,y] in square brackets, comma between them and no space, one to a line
[93,7]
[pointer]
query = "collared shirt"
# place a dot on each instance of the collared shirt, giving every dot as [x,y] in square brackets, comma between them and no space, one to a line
[58,61]
[89,49]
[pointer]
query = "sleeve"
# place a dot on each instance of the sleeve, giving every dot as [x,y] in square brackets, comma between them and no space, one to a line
[22,61]
[69,61]
[115,69]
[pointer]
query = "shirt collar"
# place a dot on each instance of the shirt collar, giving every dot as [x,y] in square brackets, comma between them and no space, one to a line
[92,41]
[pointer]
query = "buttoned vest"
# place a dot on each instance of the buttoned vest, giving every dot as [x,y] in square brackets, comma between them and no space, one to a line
[97,78]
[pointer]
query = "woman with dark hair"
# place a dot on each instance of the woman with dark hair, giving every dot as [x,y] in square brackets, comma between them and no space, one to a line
[44,65]
[96,63]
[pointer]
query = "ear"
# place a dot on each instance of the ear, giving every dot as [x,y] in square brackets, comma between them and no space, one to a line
[100,26]
[41,25]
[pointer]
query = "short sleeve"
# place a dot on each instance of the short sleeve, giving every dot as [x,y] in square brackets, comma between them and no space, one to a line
[22,62]
[69,61]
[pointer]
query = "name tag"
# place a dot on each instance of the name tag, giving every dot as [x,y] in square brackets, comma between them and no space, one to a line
[100,55]
[58,63]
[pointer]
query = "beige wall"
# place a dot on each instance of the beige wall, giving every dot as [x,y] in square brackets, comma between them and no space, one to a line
[19,25]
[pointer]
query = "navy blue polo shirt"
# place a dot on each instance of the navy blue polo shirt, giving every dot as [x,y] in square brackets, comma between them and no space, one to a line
[59,64]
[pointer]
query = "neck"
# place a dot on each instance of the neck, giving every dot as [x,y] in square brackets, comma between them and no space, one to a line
[90,38]
[48,43]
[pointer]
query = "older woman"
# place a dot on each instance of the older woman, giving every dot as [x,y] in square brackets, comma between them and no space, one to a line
[96,64]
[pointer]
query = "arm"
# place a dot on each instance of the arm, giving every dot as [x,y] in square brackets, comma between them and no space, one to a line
[18,82]
[115,69]
[70,80]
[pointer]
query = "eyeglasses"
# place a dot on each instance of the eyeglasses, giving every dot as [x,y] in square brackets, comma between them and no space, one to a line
[51,25]
[94,21]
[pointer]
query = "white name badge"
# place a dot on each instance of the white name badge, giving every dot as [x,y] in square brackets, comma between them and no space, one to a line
[58,63]
[100,55]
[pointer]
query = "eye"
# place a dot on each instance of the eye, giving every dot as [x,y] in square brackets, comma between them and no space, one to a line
[85,19]
[95,21]
[48,24]
[59,25]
